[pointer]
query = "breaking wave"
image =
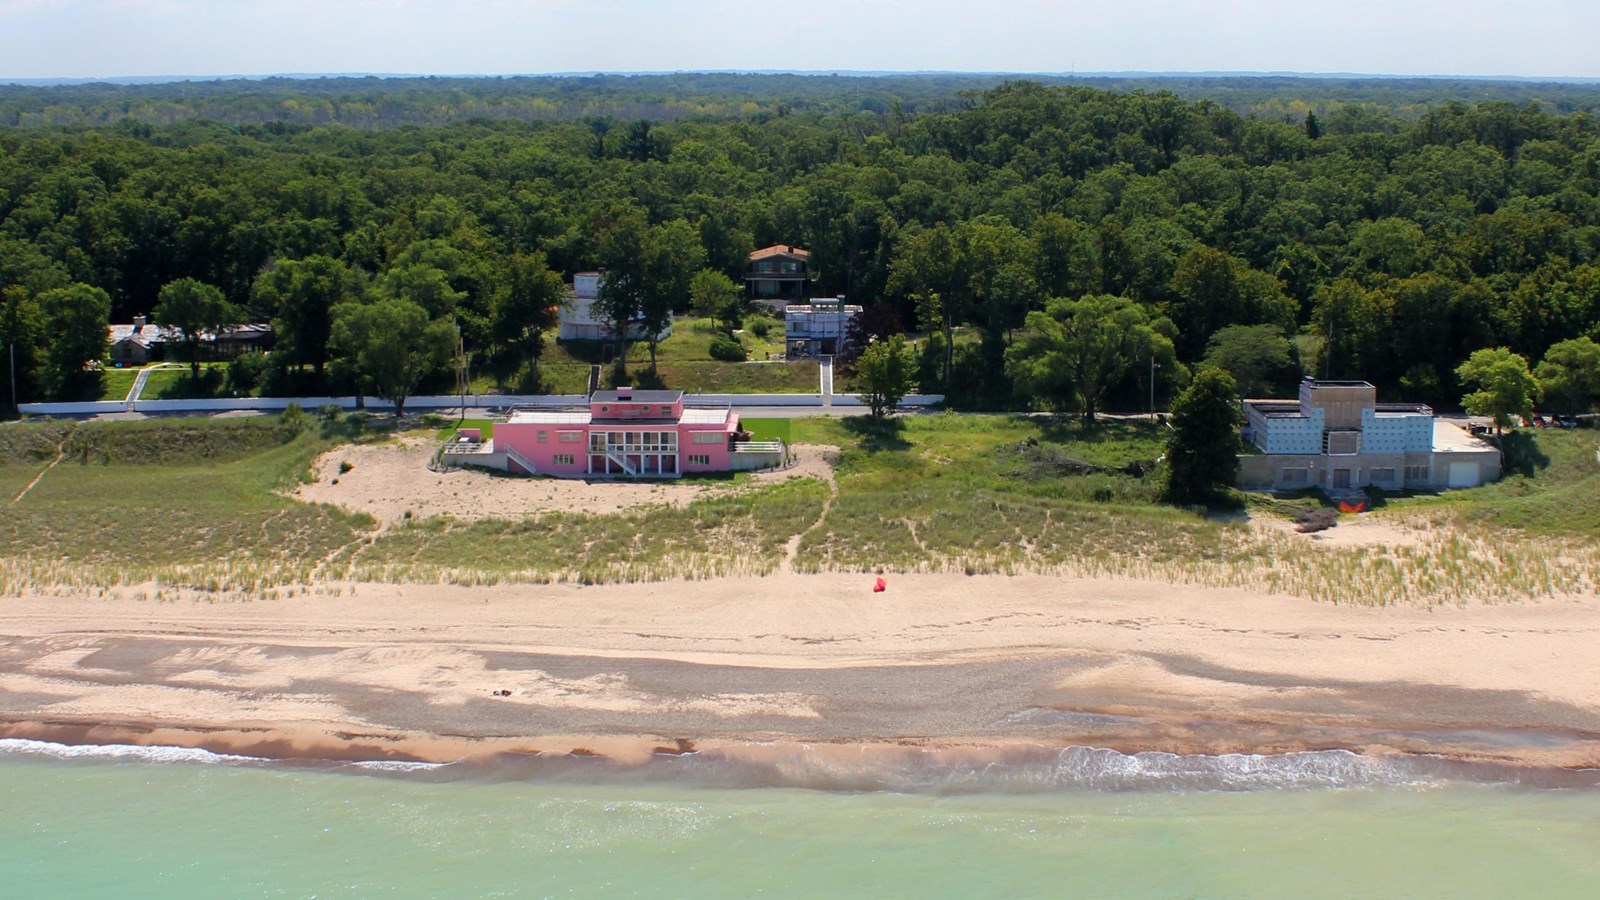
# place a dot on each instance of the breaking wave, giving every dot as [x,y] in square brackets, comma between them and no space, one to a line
[872,768]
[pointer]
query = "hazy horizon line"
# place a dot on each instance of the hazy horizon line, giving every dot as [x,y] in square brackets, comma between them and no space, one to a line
[133,80]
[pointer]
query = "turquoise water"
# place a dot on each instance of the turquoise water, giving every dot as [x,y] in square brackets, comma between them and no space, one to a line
[108,827]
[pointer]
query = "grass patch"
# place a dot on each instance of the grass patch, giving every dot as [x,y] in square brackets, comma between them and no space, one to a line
[767,429]
[1552,488]
[485,428]
[116,383]
[683,362]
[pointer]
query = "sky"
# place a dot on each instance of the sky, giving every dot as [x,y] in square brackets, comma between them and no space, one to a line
[107,38]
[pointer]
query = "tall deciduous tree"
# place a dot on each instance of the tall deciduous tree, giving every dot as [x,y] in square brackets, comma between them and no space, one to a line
[1203,451]
[886,372]
[390,344]
[1352,322]
[1077,350]
[21,334]
[526,305]
[299,297]
[623,247]
[929,266]
[1569,375]
[74,323]
[1261,360]
[715,296]
[1505,386]
[195,308]
[673,255]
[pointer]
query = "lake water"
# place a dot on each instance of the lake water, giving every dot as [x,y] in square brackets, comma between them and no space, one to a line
[110,822]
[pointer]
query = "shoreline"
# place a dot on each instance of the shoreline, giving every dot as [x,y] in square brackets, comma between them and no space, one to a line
[750,668]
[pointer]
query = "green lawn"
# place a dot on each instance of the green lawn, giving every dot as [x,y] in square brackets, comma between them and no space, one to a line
[683,362]
[768,429]
[484,426]
[168,383]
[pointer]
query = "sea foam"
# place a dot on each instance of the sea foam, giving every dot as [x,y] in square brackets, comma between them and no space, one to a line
[131,752]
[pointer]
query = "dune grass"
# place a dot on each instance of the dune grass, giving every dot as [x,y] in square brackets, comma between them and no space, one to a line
[201,505]
[196,504]
[739,534]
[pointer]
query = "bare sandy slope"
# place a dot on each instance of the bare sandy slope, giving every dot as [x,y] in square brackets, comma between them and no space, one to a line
[935,660]
[1361,530]
[389,479]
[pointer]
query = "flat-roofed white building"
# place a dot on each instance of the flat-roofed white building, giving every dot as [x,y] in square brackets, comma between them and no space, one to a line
[1337,437]
[817,327]
[578,320]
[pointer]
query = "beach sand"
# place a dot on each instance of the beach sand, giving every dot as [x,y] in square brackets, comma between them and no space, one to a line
[390,479]
[940,661]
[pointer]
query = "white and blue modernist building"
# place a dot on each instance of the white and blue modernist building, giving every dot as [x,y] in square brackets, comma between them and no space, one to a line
[1337,437]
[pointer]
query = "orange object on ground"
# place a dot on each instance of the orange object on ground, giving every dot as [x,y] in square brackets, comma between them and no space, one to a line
[1358,506]
[880,586]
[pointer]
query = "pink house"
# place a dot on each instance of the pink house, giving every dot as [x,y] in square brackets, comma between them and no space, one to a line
[622,433]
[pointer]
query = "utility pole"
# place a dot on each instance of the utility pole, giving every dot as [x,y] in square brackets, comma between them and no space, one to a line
[461,374]
[1153,368]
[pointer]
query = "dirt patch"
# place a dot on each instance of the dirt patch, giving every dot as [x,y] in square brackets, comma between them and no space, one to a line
[388,480]
[1360,530]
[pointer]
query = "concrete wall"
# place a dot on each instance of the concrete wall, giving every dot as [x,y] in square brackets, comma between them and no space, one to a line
[1342,402]
[449,401]
[1276,472]
[1484,467]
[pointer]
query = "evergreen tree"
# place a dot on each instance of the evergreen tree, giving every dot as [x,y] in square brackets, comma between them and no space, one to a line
[1203,452]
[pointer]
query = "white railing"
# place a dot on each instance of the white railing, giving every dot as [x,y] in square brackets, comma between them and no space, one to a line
[758,447]
[621,460]
[522,461]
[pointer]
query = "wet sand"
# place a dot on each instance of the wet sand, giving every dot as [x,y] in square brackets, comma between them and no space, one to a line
[937,661]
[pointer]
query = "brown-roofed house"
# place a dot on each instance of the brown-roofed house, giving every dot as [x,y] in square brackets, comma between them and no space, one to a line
[778,275]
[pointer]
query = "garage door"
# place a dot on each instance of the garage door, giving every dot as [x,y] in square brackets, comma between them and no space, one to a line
[1463,475]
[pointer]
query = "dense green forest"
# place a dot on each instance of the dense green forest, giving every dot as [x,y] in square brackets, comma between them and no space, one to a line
[1051,241]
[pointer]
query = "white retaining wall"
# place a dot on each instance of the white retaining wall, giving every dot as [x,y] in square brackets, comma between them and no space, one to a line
[452,401]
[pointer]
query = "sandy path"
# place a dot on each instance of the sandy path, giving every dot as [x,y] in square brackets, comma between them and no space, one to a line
[389,479]
[936,658]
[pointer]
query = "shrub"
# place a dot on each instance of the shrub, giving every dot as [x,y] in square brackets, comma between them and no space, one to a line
[247,372]
[727,349]
[760,328]
[1313,520]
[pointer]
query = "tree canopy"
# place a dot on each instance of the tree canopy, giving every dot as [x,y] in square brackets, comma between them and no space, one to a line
[1416,223]
[1505,387]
